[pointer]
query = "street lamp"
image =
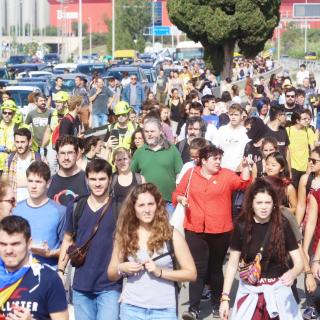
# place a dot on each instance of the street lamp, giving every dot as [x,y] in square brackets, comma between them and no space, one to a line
[90,36]
[80,30]
[153,25]
[113,28]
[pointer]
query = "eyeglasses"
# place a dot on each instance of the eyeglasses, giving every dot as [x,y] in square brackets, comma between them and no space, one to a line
[7,113]
[12,201]
[314,161]
[290,96]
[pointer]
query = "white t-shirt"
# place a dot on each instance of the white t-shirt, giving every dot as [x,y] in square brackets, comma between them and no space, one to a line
[210,133]
[301,75]
[184,169]
[22,166]
[232,141]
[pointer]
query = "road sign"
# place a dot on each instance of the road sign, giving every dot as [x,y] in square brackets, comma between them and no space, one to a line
[306,10]
[161,31]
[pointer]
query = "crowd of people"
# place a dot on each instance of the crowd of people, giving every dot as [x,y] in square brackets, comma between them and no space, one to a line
[91,210]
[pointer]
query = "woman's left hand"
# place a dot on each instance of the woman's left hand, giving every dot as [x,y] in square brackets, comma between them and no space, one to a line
[152,267]
[287,278]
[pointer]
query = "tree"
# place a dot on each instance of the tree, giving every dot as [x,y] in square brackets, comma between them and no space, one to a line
[221,24]
[132,17]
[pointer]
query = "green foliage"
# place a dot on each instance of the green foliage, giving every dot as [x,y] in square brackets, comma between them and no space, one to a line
[74,28]
[292,41]
[221,24]
[131,19]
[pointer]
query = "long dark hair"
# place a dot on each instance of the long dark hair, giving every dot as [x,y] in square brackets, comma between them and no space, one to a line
[276,243]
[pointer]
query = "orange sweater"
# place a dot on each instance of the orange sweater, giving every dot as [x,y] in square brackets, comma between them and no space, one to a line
[209,201]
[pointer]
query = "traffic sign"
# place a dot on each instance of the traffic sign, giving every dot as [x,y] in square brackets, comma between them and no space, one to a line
[160,31]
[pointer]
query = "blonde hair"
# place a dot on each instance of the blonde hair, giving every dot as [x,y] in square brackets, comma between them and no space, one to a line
[118,151]
[73,102]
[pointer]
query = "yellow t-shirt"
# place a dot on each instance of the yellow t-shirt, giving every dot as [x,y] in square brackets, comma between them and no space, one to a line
[300,140]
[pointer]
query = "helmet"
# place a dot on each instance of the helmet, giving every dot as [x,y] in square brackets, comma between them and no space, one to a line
[121,107]
[9,104]
[61,96]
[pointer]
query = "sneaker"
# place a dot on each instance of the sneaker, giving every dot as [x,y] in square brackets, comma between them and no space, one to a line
[310,313]
[215,311]
[206,294]
[190,315]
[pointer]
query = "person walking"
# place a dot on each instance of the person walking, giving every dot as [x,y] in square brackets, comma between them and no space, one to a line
[145,250]
[264,238]
[208,220]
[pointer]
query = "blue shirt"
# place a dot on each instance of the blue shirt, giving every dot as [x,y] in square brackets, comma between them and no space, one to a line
[46,224]
[92,275]
[41,295]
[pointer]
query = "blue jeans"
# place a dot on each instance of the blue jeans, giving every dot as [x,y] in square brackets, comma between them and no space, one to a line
[99,119]
[130,312]
[97,305]
[137,108]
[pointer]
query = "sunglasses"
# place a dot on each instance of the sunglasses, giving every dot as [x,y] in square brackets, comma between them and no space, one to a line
[314,161]
[7,113]
[12,201]
[133,78]
[290,96]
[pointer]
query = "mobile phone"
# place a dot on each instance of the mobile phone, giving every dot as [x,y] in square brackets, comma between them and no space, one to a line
[114,133]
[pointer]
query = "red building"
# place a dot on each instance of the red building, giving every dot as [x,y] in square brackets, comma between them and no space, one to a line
[62,12]
[96,10]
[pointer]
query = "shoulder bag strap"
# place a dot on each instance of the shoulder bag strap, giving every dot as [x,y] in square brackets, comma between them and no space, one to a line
[189,181]
[96,227]
[266,239]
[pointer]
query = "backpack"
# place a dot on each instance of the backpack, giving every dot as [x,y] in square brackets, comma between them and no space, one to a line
[37,157]
[56,132]
[241,73]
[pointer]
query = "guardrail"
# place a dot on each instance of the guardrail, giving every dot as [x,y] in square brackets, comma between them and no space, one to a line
[241,83]
[294,64]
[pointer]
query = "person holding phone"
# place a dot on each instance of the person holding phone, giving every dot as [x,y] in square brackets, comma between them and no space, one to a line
[120,132]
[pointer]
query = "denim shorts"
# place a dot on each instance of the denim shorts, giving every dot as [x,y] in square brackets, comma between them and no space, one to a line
[130,312]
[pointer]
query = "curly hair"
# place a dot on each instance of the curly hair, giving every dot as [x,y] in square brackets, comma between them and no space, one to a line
[126,234]
[276,244]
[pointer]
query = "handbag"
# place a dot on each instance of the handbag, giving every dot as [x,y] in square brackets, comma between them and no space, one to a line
[77,254]
[250,272]
[177,218]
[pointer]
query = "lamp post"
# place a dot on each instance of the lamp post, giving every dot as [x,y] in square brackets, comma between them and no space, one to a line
[305,33]
[153,25]
[90,36]
[113,28]
[80,30]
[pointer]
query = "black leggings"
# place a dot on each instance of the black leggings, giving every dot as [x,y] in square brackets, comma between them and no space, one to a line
[208,251]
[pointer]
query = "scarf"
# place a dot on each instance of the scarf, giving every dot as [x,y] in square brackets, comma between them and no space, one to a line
[9,281]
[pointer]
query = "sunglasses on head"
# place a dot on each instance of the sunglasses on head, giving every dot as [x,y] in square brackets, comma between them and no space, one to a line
[314,161]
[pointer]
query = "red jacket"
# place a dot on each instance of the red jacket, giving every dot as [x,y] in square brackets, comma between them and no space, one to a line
[209,201]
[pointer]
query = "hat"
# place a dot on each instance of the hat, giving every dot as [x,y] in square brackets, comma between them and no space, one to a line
[9,104]
[121,107]
[286,83]
[61,96]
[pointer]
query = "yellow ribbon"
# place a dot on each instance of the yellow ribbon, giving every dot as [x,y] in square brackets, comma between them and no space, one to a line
[7,292]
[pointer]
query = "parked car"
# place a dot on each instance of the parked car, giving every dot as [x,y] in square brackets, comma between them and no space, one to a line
[20,95]
[151,74]
[117,73]
[68,81]
[18,59]
[310,56]
[42,84]
[89,68]
[51,58]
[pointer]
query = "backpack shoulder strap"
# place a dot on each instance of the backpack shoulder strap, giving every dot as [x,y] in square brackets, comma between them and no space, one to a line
[10,158]
[77,211]
[113,183]
[138,177]
[311,176]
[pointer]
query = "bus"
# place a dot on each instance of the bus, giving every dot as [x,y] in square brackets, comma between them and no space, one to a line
[187,50]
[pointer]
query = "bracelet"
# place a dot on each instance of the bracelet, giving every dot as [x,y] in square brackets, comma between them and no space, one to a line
[160,273]
[225,294]
[60,270]
[224,298]
[308,272]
